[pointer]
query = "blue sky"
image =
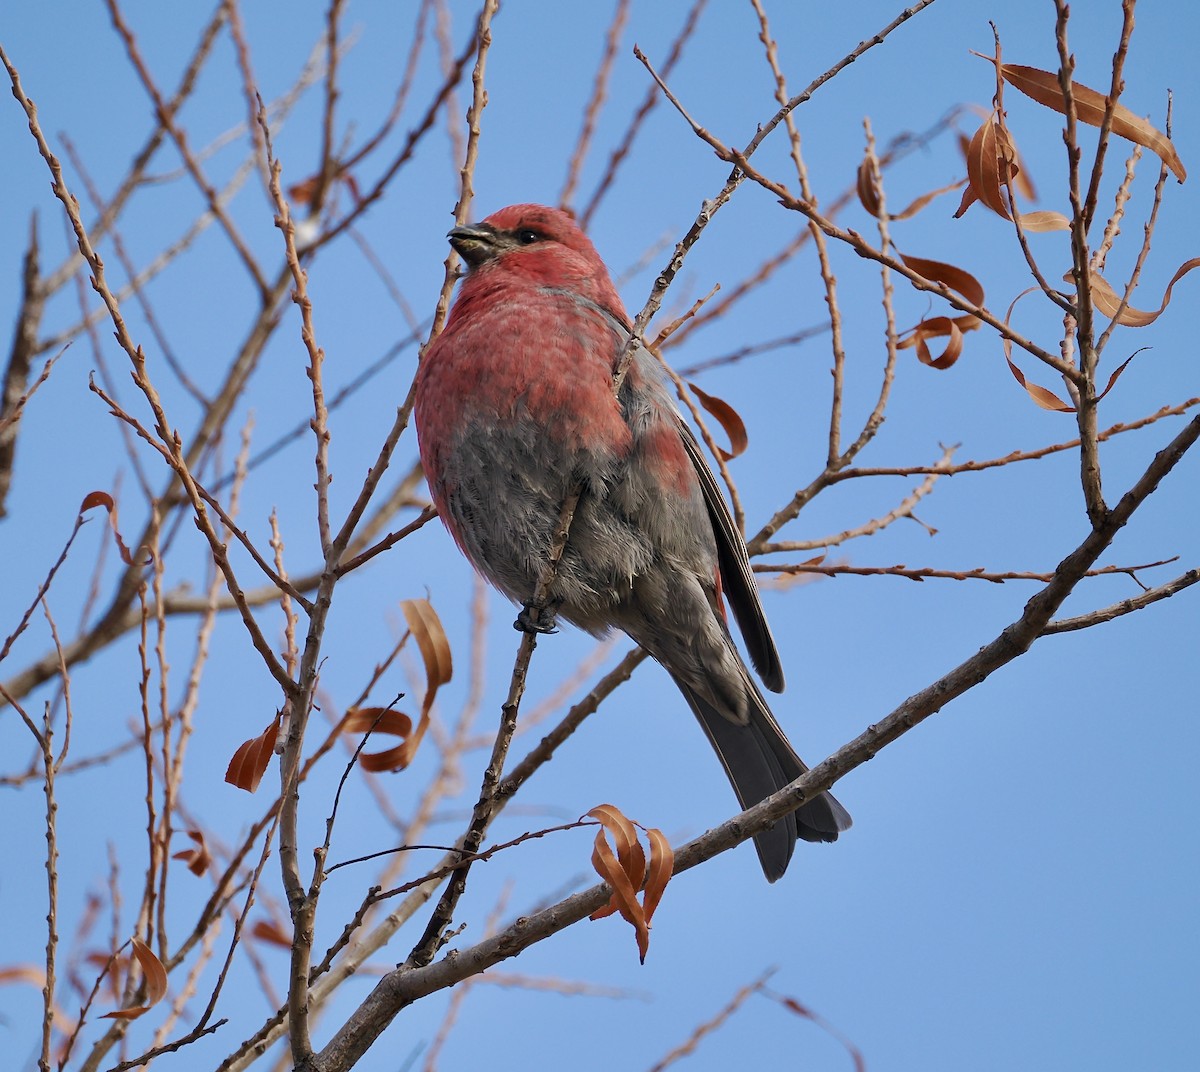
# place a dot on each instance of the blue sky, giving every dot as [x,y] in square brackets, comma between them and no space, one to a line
[1019,889]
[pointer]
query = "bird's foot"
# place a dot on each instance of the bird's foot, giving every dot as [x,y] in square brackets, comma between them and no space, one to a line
[535,619]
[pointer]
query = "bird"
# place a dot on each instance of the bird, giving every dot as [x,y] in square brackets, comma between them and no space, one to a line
[515,409]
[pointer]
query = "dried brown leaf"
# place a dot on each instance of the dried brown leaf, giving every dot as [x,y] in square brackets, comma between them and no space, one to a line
[1044,220]
[426,628]
[155,982]
[1109,302]
[868,194]
[969,198]
[1044,397]
[954,277]
[868,188]
[625,871]
[728,418]
[624,833]
[938,327]
[102,498]
[271,933]
[662,867]
[1021,179]
[915,206]
[250,761]
[992,162]
[1044,87]
[381,720]
[1116,375]
[990,159]
[197,859]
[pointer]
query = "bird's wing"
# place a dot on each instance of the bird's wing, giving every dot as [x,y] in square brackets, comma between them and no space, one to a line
[737,579]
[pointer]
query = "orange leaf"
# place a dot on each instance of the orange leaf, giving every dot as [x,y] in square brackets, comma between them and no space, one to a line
[272,933]
[155,983]
[426,628]
[1044,87]
[197,859]
[990,158]
[1044,220]
[969,198]
[919,203]
[1045,398]
[381,720]
[625,871]
[953,277]
[868,189]
[868,194]
[102,498]
[662,867]
[936,327]
[250,761]
[1109,302]
[728,417]
[624,897]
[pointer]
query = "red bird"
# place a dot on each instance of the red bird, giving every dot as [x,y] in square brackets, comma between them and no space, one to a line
[515,407]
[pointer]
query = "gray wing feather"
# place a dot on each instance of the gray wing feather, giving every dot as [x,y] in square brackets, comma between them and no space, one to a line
[736,576]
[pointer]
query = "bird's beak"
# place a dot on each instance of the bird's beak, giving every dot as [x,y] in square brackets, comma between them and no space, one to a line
[475,244]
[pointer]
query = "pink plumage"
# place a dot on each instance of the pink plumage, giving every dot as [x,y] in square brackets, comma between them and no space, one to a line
[515,407]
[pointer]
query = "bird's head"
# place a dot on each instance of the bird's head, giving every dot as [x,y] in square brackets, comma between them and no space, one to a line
[541,244]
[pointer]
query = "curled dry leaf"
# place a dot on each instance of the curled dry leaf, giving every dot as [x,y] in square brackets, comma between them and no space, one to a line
[729,419]
[102,498]
[868,194]
[1042,396]
[662,867]
[381,720]
[155,982]
[197,859]
[1044,87]
[990,160]
[936,327]
[1109,302]
[250,761]
[1114,377]
[942,327]
[948,274]
[426,628]
[993,163]
[625,871]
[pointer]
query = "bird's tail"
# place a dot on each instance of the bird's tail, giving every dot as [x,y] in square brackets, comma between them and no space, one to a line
[759,760]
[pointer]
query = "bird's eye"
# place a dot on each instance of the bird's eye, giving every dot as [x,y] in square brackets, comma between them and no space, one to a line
[527,237]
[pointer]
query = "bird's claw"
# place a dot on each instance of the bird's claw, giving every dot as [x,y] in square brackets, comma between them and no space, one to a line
[535,619]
